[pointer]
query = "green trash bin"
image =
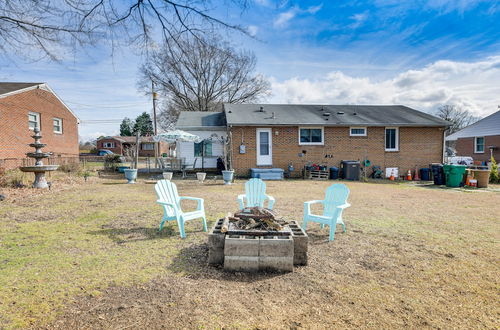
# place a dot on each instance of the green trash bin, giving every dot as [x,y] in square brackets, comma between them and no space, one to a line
[454,174]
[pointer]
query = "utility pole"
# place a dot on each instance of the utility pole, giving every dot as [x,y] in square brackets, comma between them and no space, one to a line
[155,126]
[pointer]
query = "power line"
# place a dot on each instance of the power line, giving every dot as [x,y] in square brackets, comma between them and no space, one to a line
[110,106]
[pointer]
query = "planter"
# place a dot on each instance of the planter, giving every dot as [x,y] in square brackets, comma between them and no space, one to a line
[121,169]
[201,176]
[130,175]
[228,176]
[167,175]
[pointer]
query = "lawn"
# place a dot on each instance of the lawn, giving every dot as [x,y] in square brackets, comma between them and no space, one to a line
[89,255]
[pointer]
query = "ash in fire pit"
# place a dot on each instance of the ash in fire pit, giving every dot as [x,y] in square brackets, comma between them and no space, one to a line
[256,239]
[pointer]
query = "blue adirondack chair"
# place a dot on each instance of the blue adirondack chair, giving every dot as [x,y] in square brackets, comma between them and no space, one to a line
[255,195]
[333,205]
[171,202]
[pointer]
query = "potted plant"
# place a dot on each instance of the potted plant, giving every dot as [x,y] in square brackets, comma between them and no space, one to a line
[133,155]
[228,172]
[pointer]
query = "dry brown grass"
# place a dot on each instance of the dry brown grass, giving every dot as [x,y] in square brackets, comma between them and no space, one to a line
[412,257]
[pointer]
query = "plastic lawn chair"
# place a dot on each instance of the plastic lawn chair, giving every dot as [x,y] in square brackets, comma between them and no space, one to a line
[333,205]
[255,195]
[171,202]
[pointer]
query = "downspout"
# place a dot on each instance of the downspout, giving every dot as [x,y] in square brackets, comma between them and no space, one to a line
[444,146]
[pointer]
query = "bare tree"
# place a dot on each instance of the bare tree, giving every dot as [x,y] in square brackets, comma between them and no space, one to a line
[458,117]
[50,28]
[197,73]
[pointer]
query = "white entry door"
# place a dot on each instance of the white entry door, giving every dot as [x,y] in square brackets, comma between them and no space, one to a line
[264,146]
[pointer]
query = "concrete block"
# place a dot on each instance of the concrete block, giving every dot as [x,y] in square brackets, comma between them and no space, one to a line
[239,245]
[300,243]
[276,246]
[277,264]
[215,256]
[239,263]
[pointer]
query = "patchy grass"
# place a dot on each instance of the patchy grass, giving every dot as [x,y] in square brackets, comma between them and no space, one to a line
[91,256]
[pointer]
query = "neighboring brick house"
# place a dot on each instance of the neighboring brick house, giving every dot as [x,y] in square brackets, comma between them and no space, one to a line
[270,135]
[26,105]
[119,145]
[480,140]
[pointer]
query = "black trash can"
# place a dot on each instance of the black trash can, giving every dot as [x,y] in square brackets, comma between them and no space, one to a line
[438,174]
[350,169]
[425,174]
[334,173]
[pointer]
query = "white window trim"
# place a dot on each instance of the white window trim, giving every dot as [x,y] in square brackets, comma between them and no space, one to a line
[313,143]
[397,139]
[475,145]
[358,127]
[60,125]
[147,143]
[104,144]
[37,114]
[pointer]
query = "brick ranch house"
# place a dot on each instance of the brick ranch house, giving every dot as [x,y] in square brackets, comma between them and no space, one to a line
[480,140]
[26,105]
[119,145]
[276,135]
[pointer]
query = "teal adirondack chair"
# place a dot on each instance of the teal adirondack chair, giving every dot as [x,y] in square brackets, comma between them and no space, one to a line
[255,195]
[333,205]
[171,202]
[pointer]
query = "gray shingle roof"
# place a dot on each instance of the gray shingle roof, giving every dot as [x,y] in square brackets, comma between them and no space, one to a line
[340,115]
[485,127]
[8,87]
[200,119]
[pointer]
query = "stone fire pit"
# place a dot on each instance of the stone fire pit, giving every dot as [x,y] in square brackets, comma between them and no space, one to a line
[271,246]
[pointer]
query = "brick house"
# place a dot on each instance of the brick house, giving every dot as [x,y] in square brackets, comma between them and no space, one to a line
[119,145]
[480,140]
[270,135]
[26,105]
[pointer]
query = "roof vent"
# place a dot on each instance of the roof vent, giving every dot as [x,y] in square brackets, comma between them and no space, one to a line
[354,113]
[340,112]
[273,117]
[321,109]
[326,114]
[261,109]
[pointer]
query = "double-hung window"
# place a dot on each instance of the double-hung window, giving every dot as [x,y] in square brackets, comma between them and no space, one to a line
[479,145]
[311,136]
[58,128]
[203,148]
[391,139]
[108,145]
[33,120]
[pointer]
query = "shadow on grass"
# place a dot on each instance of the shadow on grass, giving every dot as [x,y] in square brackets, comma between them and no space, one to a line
[135,234]
[113,183]
[192,262]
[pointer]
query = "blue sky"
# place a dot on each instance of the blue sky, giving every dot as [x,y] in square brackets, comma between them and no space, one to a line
[418,53]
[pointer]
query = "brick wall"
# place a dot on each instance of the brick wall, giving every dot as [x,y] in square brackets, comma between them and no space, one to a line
[15,134]
[465,147]
[418,146]
[118,149]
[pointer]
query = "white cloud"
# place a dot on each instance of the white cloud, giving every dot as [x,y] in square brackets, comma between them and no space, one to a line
[358,19]
[314,9]
[284,17]
[252,30]
[474,86]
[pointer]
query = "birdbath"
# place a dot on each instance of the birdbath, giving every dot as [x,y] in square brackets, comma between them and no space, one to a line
[39,169]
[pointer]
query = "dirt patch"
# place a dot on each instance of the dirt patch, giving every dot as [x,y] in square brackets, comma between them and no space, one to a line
[353,283]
